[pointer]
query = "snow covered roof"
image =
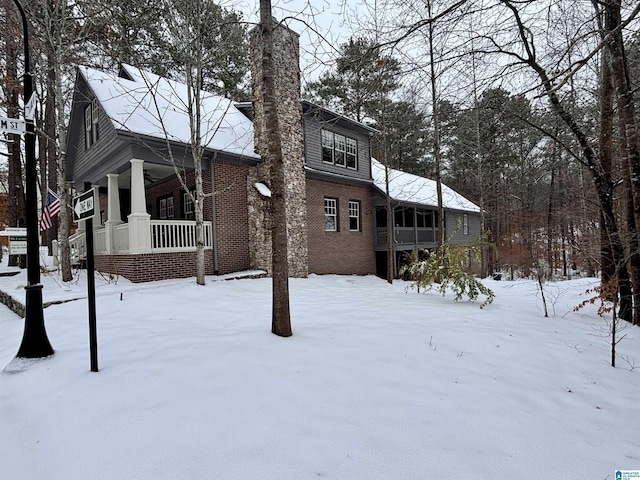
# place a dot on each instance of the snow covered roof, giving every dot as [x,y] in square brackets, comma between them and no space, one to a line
[150,105]
[406,187]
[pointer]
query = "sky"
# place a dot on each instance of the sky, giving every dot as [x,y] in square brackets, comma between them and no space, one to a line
[322,25]
[378,381]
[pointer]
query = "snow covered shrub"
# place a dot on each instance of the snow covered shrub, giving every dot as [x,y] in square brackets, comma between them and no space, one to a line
[446,269]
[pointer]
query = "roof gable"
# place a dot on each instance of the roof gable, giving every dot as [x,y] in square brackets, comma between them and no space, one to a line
[146,104]
[406,187]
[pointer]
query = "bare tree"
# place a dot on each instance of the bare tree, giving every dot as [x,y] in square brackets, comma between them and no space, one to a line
[60,29]
[280,319]
[11,35]
[620,78]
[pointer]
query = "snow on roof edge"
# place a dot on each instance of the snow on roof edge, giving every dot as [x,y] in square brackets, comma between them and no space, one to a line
[150,105]
[410,188]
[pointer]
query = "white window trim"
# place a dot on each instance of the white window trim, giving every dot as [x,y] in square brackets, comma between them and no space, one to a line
[94,121]
[166,208]
[88,126]
[170,211]
[465,224]
[326,133]
[331,211]
[354,144]
[163,209]
[189,207]
[354,212]
[350,147]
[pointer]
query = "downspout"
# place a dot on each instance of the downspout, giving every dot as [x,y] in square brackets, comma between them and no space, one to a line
[394,240]
[214,226]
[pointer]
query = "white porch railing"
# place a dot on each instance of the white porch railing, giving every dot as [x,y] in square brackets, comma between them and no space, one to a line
[99,242]
[177,235]
[166,236]
[121,238]
[78,247]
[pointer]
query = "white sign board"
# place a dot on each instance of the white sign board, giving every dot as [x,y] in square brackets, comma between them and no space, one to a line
[83,207]
[13,125]
[14,232]
[18,245]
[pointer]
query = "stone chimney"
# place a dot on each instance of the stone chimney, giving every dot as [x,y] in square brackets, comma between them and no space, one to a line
[289,108]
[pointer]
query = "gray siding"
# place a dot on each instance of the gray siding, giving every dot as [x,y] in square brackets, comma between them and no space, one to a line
[313,124]
[80,160]
[113,149]
[453,227]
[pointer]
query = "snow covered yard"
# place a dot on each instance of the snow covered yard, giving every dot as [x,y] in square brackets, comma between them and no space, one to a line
[376,383]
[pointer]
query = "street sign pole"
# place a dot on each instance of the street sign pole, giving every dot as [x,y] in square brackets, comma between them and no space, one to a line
[35,343]
[91,284]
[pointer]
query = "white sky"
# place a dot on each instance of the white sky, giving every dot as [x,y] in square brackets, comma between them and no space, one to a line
[376,383]
[322,26]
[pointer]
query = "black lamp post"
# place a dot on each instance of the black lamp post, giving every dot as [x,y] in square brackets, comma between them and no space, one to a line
[35,343]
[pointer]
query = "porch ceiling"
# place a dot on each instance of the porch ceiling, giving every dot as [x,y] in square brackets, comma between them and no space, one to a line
[153,172]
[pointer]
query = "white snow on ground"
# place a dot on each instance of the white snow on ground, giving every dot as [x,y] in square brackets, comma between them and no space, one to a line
[376,383]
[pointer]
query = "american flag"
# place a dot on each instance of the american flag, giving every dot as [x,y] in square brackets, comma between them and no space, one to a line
[51,209]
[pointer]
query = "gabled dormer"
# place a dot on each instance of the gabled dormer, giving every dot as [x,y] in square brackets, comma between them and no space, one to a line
[335,144]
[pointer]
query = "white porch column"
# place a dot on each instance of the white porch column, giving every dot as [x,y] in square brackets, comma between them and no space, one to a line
[113,212]
[139,219]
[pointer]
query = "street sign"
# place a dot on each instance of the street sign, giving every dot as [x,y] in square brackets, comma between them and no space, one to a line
[18,245]
[14,231]
[13,125]
[83,207]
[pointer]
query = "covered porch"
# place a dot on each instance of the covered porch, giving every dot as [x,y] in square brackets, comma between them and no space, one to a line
[140,247]
[413,227]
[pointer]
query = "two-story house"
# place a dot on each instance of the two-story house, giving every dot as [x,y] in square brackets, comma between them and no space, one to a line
[129,135]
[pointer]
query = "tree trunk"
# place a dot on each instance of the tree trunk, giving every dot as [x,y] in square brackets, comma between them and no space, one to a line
[61,164]
[608,265]
[629,134]
[16,204]
[437,154]
[601,179]
[280,320]
[48,149]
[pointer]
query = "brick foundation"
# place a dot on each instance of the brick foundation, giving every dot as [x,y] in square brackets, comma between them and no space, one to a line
[152,266]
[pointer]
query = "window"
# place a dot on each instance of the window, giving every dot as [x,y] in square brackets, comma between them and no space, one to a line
[330,215]
[465,224]
[424,219]
[90,124]
[339,150]
[403,217]
[354,215]
[352,153]
[165,206]
[187,205]
[327,146]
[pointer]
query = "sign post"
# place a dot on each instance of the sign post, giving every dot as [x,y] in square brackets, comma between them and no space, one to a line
[35,343]
[83,210]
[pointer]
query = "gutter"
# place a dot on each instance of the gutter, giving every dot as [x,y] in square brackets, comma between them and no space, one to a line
[214,226]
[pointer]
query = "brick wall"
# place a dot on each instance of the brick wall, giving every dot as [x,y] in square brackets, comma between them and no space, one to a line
[231,221]
[153,266]
[342,252]
[172,187]
[232,217]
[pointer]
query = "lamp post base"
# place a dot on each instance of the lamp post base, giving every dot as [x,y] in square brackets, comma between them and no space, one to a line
[35,343]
